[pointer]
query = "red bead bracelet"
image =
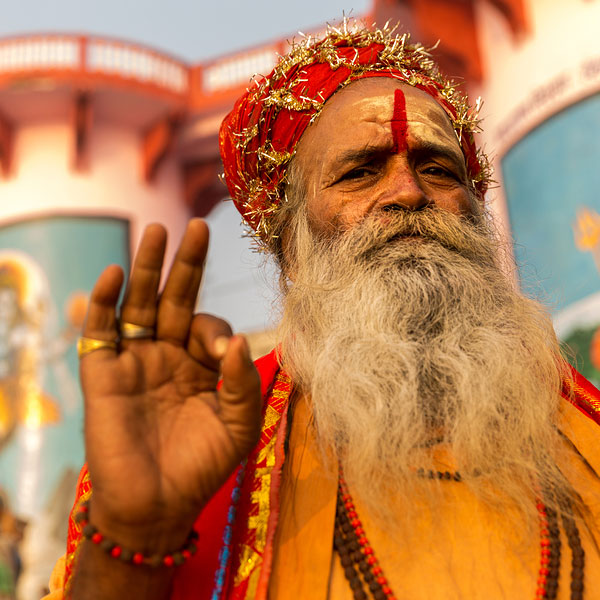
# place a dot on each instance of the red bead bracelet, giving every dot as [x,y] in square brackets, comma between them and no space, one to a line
[174,559]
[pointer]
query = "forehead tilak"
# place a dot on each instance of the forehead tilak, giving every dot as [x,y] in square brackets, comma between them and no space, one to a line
[399,122]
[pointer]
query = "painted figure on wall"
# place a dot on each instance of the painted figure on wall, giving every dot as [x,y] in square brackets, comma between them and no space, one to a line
[28,346]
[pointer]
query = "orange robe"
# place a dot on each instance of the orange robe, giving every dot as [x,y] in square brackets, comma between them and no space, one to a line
[282,529]
[466,552]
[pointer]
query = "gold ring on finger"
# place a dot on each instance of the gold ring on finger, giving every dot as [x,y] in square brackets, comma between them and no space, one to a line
[85,345]
[131,331]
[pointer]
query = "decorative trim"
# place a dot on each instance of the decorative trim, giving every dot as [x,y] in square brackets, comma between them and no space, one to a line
[581,393]
[256,515]
[84,492]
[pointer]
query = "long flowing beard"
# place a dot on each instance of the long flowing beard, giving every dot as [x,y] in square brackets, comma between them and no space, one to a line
[407,337]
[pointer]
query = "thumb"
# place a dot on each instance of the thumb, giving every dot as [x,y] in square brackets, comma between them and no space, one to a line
[239,396]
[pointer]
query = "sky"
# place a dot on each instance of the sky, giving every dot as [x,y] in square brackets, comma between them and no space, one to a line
[193,30]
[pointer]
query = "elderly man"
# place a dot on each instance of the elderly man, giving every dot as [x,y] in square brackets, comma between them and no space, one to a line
[420,435]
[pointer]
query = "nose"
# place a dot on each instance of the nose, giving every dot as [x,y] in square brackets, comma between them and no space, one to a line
[402,189]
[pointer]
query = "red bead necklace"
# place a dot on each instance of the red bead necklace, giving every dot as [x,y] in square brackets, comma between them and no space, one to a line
[356,553]
[362,568]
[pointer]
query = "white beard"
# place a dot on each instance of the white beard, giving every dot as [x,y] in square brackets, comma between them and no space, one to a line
[400,341]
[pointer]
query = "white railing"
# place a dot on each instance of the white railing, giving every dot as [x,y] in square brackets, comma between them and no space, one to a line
[100,56]
[35,53]
[146,66]
[95,55]
[237,70]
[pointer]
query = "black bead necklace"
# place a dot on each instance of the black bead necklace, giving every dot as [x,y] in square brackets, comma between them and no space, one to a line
[363,572]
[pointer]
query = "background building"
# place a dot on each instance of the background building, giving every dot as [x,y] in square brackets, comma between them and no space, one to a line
[99,137]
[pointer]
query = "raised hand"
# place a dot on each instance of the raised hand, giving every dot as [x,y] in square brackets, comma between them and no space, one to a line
[160,438]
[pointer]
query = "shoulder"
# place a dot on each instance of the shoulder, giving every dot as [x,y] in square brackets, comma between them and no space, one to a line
[581,393]
[579,417]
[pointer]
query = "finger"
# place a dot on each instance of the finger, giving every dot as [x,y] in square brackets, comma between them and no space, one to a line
[176,306]
[208,340]
[100,322]
[139,304]
[239,396]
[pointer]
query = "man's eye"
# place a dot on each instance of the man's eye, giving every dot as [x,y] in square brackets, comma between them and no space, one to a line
[357,173]
[436,171]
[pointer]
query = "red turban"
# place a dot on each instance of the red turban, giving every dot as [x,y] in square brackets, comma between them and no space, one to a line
[258,137]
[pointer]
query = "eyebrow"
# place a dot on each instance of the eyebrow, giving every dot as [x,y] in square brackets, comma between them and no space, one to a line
[419,148]
[429,148]
[360,155]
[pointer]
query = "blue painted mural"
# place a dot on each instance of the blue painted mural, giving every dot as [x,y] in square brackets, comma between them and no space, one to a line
[552,185]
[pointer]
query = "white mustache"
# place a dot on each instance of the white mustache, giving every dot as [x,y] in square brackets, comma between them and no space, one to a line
[468,236]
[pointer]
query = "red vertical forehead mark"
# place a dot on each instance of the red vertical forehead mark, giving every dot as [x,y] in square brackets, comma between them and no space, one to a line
[399,124]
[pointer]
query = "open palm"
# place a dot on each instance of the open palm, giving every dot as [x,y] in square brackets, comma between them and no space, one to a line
[160,438]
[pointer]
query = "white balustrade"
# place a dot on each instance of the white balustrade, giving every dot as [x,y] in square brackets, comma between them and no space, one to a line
[237,70]
[136,63]
[103,56]
[130,62]
[35,53]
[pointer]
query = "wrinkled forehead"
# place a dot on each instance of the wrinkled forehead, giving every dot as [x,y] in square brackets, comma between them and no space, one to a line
[377,98]
[378,111]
